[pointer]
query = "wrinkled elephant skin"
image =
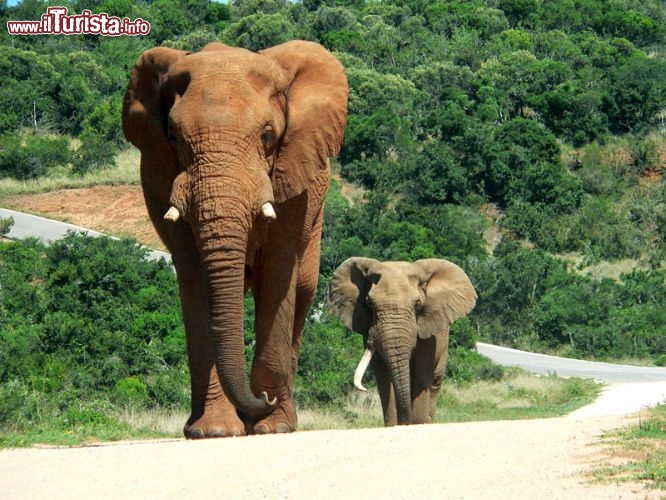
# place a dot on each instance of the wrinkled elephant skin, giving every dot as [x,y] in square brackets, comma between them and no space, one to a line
[404,311]
[235,149]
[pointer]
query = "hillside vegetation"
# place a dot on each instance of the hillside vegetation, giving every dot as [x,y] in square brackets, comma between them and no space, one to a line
[523,139]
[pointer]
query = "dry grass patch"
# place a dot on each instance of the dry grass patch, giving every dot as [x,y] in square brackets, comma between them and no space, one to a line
[126,171]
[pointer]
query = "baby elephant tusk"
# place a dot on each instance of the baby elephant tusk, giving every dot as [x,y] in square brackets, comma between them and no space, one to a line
[268,211]
[172,214]
[360,370]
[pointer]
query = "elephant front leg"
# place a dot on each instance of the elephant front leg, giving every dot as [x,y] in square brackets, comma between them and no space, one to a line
[272,363]
[284,287]
[423,365]
[441,357]
[212,414]
[386,391]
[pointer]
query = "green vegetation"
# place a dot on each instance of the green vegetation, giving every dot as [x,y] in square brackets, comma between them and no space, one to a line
[91,342]
[540,123]
[641,449]
[86,326]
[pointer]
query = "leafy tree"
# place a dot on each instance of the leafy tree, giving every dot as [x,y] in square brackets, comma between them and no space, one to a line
[379,121]
[168,19]
[28,84]
[639,93]
[519,12]
[260,30]
[521,163]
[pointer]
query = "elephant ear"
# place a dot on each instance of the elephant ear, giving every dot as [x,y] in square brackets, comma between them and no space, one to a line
[144,113]
[316,95]
[449,295]
[347,291]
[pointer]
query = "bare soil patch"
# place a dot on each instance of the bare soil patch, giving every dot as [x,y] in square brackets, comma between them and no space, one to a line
[115,210]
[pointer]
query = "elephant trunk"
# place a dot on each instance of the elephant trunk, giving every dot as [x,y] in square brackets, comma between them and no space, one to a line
[395,343]
[399,368]
[222,224]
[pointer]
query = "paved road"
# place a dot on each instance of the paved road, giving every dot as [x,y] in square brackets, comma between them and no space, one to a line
[564,367]
[47,230]
[629,388]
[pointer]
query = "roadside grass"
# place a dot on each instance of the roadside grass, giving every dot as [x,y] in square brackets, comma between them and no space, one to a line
[518,395]
[638,452]
[102,428]
[126,171]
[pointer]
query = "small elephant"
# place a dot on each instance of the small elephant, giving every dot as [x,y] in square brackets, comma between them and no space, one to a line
[235,149]
[404,311]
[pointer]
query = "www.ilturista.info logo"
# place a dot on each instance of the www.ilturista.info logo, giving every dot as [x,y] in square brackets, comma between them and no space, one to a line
[57,22]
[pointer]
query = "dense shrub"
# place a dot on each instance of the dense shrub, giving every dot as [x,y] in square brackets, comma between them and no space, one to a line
[87,319]
[32,155]
[530,300]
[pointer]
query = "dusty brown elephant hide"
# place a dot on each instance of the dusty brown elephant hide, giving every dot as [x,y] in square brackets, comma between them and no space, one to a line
[404,311]
[235,149]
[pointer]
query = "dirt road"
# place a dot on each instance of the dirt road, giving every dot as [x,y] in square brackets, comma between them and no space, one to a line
[533,459]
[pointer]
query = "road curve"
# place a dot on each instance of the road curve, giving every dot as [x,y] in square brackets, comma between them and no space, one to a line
[565,367]
[628,389]
[48,230]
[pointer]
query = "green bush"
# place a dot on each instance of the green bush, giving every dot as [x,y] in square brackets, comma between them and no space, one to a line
[463,334]
[32,155]
[130,391]
[465,366]
[328,357]
[6,225]
[84,323]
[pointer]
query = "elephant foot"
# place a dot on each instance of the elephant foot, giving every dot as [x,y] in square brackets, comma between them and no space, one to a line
[280,428]
[214,426]
[281,421]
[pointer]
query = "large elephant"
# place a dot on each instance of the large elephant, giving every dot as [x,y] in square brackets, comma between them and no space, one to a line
[404,311]
[235,149]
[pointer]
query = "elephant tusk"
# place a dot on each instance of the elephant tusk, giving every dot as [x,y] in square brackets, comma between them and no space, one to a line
[172,214]
[268,211]
[360,369]
[270,402]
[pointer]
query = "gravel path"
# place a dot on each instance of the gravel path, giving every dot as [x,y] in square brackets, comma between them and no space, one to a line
[530,459]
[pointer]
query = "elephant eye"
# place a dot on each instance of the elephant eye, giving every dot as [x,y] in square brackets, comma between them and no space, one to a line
[268,140]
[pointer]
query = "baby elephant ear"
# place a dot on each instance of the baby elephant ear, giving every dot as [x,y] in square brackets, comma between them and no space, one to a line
[347,291]
[449,295]
[316,93]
